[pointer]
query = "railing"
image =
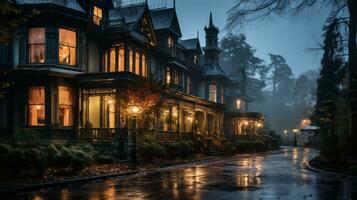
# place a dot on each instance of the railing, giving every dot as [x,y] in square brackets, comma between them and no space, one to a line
[96,134]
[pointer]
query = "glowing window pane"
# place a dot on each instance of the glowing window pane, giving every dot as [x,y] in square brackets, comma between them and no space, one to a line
[36,106]
[36,44]
[213,93]
[67,47]
[137,63]
[112,61]
[65,106]
[121,60]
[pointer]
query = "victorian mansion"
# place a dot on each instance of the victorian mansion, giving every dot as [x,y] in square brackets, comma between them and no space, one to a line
[68,64]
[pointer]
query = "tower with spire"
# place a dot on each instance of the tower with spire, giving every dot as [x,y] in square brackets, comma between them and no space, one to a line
[211,50]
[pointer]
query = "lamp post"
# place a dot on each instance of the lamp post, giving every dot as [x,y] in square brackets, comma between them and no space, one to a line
[295,132]
[134,111]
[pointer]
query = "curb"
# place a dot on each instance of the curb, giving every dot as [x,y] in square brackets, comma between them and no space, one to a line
[309,167]
[64,182]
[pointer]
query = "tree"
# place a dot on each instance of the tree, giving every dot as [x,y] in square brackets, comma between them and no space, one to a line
[238,57]
[247,10]
[12,17]
[282,77]
[327,91]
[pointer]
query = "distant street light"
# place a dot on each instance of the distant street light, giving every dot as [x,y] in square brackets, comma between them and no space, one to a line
[295,132]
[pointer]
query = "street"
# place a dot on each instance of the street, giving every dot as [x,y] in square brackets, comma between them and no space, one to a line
[274,175]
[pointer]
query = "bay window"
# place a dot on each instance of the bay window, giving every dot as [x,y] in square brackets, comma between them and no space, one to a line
[36,106]
[212,93]
[36,45]
[65,106]
[137,63]
[112,60]
[121,58]
[67,47]
[144,65]
[131,61]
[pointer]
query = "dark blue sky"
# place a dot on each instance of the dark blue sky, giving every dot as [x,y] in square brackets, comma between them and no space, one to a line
[288,36]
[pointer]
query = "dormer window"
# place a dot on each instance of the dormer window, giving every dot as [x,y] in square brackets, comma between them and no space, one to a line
[67,47]
[170,42]
[97,15]
[36,45]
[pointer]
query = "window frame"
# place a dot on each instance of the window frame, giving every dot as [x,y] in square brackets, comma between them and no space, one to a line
[28,105]
[36,44]
[75,48]
[71,106]
[97,20]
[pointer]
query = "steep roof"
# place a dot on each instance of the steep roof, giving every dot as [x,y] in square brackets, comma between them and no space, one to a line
[166,18]
[189,44]
[213,69]
[71,4]
[130,14]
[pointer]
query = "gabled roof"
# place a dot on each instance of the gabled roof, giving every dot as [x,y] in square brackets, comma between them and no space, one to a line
[71,4]
[166,19]
[129,14]
[131,18]
[191,44]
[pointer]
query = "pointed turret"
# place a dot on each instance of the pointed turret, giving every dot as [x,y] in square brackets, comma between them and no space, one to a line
[210,20]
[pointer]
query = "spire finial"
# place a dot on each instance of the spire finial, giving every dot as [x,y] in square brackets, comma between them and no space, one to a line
[210,20]
[198,34]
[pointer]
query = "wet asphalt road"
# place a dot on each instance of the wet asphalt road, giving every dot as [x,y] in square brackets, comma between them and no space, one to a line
[273,175]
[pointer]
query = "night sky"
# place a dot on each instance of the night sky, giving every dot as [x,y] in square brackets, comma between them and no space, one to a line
[286,35]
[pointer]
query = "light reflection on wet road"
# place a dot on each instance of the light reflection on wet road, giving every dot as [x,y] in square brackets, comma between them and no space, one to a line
[273,175]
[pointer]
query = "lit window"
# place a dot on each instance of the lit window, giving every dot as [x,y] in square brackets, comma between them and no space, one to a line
[65,106]
[36,106]
[109,112]
[174,119]
[97,15]
[144,66]
[36,45]
[121,59]
[222,95]
[168,75]
[67,47]
[239,104]
[170,42]
[131,61]
[213,93]
[112,60]
[137,63]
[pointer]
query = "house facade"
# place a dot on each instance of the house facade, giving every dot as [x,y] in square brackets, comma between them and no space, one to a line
[69,65]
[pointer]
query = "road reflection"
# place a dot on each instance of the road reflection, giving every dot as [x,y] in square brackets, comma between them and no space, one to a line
[274,175]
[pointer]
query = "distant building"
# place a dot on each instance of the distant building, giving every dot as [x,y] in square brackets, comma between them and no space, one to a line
[70,63]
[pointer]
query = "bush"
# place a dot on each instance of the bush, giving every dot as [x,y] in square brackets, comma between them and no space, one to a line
[36,160]
[149,151]
[230,148]
[187,149]
[17,161]
[173,149]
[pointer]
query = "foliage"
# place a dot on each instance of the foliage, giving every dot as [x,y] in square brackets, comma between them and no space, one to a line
[149,151]
[342,11]
[328,91]
[230,148]
[12,17]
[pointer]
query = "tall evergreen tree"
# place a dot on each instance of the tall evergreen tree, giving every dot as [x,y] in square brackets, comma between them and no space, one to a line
[327,90]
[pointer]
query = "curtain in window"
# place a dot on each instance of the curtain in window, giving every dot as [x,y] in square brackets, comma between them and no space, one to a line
[36,45]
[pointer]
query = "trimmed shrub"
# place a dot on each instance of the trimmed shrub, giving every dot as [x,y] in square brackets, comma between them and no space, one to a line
[187,149]
[230,148]
[173,149]
[149,151]
[36,161]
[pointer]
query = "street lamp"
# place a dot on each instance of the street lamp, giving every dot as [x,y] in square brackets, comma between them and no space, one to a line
[134,111]
[295,131]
